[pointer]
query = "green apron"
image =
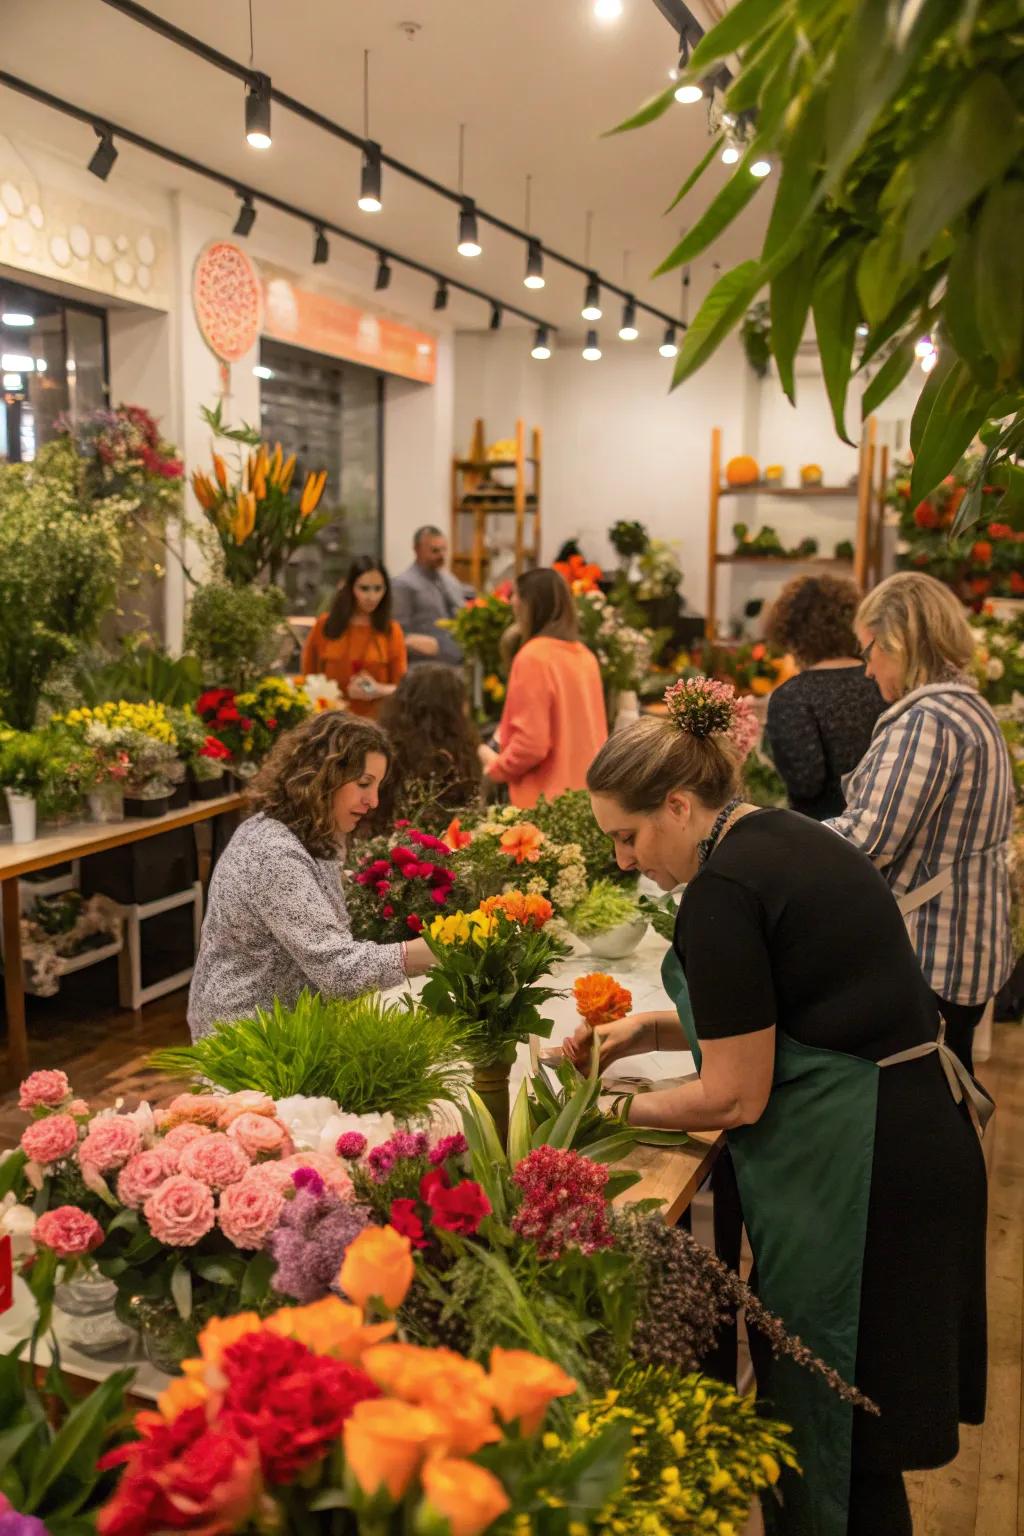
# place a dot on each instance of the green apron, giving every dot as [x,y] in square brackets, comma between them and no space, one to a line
[804,1175]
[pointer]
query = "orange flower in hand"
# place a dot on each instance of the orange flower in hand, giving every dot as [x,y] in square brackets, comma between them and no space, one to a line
[600,999]
[528,909]
[469,1497]
[378,1263]
[522,843]
[455,837]
[522,1385]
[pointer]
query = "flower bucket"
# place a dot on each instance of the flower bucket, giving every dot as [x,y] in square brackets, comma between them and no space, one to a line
[147,809]
[490,1082]
[22,810]
[617,942]
[106,803]
[208,789]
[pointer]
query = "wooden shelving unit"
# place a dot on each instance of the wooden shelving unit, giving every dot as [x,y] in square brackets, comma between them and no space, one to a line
[476,497]
[866,497]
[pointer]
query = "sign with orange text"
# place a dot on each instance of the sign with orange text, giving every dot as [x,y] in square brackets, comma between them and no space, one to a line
[327,325]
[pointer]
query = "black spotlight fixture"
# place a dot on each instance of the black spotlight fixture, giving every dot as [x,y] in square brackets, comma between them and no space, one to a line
[469,235]
[541,348]
[257,112]
[534,266]
[592,299]
[104,155]
[321,249]
[628,330]
[668,346]
[495,323]
[246,215]
[441,296]
[383,278]
[369,180]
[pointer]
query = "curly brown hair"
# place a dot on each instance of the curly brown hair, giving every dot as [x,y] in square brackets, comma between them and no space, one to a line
[298,781]
[813,618]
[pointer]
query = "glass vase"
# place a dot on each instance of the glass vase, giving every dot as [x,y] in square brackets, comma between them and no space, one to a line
[491,1083]
[106,803]
[85,1312]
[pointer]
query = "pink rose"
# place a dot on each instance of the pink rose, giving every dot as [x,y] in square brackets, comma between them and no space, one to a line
[109,1142]
[328,1167]
[143,1174]
[78,1107]
[44,1090]
[180,1212]
[214,1160]
[260,1136]
[68,1231]
[249,1210]
[197,1108]
[180,1135]
[247,1102]
[50,1139]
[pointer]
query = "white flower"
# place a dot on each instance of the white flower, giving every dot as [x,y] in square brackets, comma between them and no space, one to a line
[995,668]
[17,1222]
[322,691]
[316,1123]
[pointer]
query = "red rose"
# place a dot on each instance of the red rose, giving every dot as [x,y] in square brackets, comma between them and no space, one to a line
[388,911]
[414,923]
[183,1476]
[404,1217]
[272,724]
[981,552]
[925,515]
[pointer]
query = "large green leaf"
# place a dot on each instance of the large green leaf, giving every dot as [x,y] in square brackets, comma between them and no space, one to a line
[836,313]
[971,148]
[256,1280]
[737,28]
[960,304]
[85,1423]
[790,305]
[695,175]
[730,201]
[12,1440]
[650,110]
[519,1126]
[957,412]
[760,66]
[928,396]
[999,275]
[11,1170]
[800,170]
[892,373]
[724,306]
[563,1132]
[181,1289]
[881,275]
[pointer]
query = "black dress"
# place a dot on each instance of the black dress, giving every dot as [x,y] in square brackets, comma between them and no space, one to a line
[818,729]
[789,925]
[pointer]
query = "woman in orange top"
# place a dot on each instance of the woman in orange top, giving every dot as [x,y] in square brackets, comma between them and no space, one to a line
[554,722]
[357,643]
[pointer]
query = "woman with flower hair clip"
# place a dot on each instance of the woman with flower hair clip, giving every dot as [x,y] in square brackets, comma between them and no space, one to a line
[851,1126]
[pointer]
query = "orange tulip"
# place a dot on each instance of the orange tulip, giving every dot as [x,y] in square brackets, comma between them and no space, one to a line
[330,1327]
[522,843]
[469,1497]
[287,471]
[386,1443]
[221,471]
[522,1385]
[377,1264]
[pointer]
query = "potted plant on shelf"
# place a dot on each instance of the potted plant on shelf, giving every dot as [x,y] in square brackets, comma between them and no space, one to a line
[24,768]
[608,920]
[137,740]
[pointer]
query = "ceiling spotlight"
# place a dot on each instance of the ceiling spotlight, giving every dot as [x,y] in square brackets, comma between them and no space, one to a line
[469,238]
[862,330]
[628,330]
[17,362]
[383,278]
[592,299]
[104,155]
[761,168]
[441,296]
[15,318]
[321,249]
[257,112]
[13,381]
[924,348]
[534,266]
[41,365]
[369,180]
[592,352]
[541,348]
[246,216]
[668,346]
[495,322]
[688,94]
[607,10]
[261,371]
[730,154]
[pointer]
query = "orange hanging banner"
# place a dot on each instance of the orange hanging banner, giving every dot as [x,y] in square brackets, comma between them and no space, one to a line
[324,324]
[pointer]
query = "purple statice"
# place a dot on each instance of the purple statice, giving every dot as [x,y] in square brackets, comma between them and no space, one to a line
[309,1242]
[13,1524]
[448,1146]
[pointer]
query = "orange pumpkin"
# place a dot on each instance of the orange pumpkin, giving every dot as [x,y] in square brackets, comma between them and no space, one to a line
[810,474]
[742,470]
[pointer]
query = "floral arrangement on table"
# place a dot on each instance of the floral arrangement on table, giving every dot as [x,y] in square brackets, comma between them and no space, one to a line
[126,455]
[133,746]
[506,850]
[477,629]
[751,667]
[608,904]
[59,927]
[568,819]
[399,884]
[579,575]
[46,765]
[999,655]
[321,691]
[623,651]
[987,560]
[249,722]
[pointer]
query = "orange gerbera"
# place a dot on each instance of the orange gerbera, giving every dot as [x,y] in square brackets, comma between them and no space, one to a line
[455,837]
[522,843]
[528,909]
[600,999]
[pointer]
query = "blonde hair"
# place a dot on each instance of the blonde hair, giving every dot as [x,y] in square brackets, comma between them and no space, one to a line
[644,762]
[919,621]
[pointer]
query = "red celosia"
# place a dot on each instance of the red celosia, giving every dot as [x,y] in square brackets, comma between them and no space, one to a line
[564,1204]
[183,1476]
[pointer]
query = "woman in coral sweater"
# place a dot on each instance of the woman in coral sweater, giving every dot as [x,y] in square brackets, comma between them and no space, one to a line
[357,643]
[554,722]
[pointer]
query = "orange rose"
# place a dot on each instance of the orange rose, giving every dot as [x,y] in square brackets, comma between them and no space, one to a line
[522,843]
[184,1392]
[469,1497]
[455,1388]
[378,1263]
[387,1441]
[600,999]
[521,1385]
[330,1327]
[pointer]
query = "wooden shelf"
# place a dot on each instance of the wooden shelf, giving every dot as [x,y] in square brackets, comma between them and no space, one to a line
[483,465]
[475,496]
[783,560]
[795,492]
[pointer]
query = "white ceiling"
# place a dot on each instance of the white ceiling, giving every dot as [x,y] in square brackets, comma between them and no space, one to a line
[536,82]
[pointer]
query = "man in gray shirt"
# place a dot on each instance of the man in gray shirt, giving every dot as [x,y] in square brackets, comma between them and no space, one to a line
[425,593]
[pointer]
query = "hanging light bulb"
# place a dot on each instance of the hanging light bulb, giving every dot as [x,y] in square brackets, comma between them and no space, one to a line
[592,352]
[668,346]
[592,299]
[628,330]
[689,93]
[541,348]
[607,10]
[761,168]
[534,266]
[257,112]
[321,249]
[383,278]
[441,295]
[469,237]
[246,216]
[369,180]
[730,154]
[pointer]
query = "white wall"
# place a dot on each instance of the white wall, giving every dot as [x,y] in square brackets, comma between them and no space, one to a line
[417,456]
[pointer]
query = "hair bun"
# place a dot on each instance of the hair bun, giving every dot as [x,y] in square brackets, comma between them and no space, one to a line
[704,707]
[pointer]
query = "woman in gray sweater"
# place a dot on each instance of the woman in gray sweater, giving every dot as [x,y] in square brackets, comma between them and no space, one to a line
[276,920]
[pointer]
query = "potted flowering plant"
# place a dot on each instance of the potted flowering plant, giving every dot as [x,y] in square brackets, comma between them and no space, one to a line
[248,722]
[24,768]
[133,745]
[979,563]
[507,850]
[608,920]
[399,884]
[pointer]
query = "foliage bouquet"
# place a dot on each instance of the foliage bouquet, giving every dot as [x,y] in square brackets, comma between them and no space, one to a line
[506,850]
[399,885]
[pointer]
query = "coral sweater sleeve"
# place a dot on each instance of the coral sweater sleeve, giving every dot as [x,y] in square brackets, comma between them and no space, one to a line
[398,660]
[525,730]
[312,655]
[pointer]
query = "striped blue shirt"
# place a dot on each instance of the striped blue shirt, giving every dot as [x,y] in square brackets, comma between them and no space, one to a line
[935,790]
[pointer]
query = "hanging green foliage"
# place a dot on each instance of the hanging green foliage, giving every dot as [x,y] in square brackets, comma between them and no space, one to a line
[895,131]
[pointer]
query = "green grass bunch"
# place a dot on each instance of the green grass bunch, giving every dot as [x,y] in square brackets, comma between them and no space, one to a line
[606,905]
[369,1055]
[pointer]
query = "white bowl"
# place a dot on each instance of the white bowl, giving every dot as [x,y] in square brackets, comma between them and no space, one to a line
[616,943]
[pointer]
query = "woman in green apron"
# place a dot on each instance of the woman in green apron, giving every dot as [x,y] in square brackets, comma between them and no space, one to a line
[852,1128]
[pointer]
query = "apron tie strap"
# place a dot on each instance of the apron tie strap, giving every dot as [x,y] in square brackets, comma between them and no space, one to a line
[961,1083]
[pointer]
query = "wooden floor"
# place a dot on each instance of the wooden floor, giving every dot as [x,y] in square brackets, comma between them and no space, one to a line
[104,1052]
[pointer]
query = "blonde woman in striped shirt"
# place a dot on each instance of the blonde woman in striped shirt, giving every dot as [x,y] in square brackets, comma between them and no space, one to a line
[931,801]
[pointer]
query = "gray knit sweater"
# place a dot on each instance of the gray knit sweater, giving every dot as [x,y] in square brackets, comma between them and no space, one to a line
[276,922]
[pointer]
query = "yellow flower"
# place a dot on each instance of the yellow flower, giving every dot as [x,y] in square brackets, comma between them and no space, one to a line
[770,1466]
[453,929]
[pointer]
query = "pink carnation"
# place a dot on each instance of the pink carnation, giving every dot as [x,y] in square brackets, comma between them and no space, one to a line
[260,1136]
[179,1136]
[328,1167]
[78,1107]
[50,1139]
[248,1102]
[215,1160]
[144,1173]
[249,1210]
[44,1090]
[351,1144]
[109,1142]
[69,1231]
[193,1108]
[180,1212]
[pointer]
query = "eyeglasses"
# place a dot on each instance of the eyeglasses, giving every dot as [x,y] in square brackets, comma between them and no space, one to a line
[865,654]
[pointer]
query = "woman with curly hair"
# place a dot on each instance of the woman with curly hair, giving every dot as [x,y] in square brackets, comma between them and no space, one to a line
[276,920]
[434,764]
[820,722]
